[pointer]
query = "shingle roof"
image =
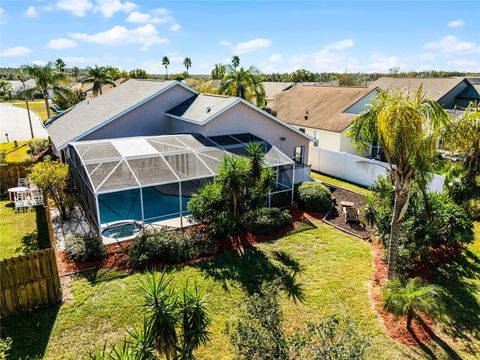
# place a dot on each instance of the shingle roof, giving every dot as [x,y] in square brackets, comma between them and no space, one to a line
[273,88]
[434,88]
[88,87]
[325,106]
[92,113]
[200,107]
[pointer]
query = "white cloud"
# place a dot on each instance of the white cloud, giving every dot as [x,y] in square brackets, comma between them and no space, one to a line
[340,45]
[3,16]
[38,62]
[275,58]
[146,36]
[61,43]
[450,44]
[76,7]
[298,58]
[428,56]
[251,45]
[31,12]
[15,51]
[382,63]
[109,7]
[225,43]
[69,60]
[465,65]
[175,27]
[144,18]
[161,11]
[205,66]
[456,23]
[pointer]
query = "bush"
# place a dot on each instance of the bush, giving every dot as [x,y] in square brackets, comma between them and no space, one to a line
[3,157]
[473,209]
[84,248]
[37,146]
[170,246]
[313,196]
[266,220]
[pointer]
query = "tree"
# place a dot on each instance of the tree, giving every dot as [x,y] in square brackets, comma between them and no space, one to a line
[65,97]
[244,83]
[187,62]
[235,61]
[75,72]
[138,74]
[99,76]
[45,78]
[23,77]
[114,72]
[218,71]
[166,63]
[51,177]
[404,299]
[5,89]
[407,128]
[464,135]
[60,65]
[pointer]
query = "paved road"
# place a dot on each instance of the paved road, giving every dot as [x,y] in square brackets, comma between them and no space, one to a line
[14,122]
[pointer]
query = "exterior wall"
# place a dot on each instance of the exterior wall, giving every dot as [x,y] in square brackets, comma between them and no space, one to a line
[241,119]
[361,105]
[146,120]
[346,144]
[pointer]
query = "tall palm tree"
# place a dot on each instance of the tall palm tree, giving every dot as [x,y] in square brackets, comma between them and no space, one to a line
[187,62]
[27,94]
[407,127]
[218,71]
[46,77]
[257,160]
[233,176]
[235,61]
[404,299]
[99,76]
[60,65]
[166,63]
[75,72]
[244,83]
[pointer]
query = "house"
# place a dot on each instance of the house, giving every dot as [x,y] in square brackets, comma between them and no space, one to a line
[87,88]
[139,152]
[273,88]
[17,86]
[323,112]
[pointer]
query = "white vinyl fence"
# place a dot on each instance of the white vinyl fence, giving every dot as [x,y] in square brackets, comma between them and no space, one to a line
[356,169]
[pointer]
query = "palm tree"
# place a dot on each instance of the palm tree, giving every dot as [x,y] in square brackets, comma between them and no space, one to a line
[235,61]
[45,78]
[257,160]
[60,65]
[23,77]
[99,76]
[233,176]
[244,83]
[218,71]
[75,72]
[166,63]
[464,136]
[407,128]
[187,62]
[404,299]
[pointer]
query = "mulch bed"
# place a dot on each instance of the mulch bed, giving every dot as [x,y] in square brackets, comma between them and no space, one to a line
[422,331]
[117,257]
[336,216]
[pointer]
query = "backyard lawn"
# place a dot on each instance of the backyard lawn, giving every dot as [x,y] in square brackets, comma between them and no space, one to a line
[336,271]
[339,182]
[18,154]
[22,232]
[37,106]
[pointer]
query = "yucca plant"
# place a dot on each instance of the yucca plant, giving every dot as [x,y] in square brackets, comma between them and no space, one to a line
[414,295]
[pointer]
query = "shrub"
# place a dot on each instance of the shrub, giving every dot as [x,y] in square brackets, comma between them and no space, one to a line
[3,157]
[473,209]
[37,146]
[170,246]
[313,196]
[84,248]
[266,220]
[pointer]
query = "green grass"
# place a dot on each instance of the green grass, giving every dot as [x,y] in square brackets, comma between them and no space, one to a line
[342,183]
[337,269]
[22,232]
[18,154]
[37,106]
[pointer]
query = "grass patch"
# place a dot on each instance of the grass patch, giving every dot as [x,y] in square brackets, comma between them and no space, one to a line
[16,154]
[23,232]
[338,182]
[36,106]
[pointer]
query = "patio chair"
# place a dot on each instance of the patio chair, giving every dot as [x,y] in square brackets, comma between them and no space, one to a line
[22,182]
[20,205]
[352,214]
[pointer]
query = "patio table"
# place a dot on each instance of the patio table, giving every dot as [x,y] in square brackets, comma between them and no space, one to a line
[16,189]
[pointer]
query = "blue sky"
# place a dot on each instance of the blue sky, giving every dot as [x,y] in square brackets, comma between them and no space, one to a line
[273,35]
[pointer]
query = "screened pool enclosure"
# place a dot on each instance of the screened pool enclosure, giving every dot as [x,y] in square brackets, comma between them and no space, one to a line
[151,179]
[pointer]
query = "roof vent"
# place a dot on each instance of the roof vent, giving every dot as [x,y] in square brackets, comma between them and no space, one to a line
[209,109]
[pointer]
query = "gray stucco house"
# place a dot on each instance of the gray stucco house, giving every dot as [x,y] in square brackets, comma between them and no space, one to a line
[139,152]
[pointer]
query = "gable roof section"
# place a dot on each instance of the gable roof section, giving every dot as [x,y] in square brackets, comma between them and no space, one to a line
[325,106]
[273,88]
[433,88]
[194,110]
[91,114]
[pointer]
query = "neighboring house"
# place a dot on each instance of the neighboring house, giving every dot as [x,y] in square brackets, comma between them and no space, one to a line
[273,88]
[17,85]
[129,162]
[87,88]
[323,112]
[451,93]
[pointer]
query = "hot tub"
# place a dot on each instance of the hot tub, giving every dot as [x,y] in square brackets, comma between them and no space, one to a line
[120,231]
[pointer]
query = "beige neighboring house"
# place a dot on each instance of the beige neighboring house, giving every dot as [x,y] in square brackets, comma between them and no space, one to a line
[273,88]
[88,87]
[323,112]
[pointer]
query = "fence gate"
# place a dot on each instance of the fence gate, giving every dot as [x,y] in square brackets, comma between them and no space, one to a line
[29,281]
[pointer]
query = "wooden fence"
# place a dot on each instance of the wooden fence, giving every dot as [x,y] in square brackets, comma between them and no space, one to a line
[9,174]
[29,281]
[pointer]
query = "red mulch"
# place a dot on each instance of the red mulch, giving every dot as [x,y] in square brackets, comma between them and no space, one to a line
[396,326]
[117,257]
[437,256]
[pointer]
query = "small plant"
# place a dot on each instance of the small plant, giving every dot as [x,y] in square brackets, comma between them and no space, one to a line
[266,220]
[84,248]
[407,298]
[5,346]
[313,196]
[3,157]
[37,146]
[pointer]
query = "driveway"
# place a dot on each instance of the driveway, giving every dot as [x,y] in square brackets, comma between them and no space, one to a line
[14,122]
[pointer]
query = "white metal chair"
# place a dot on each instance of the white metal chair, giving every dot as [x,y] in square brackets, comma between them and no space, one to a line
[22,182]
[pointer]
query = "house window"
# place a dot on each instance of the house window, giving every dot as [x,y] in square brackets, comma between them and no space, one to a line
[298,154]
[302,130]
